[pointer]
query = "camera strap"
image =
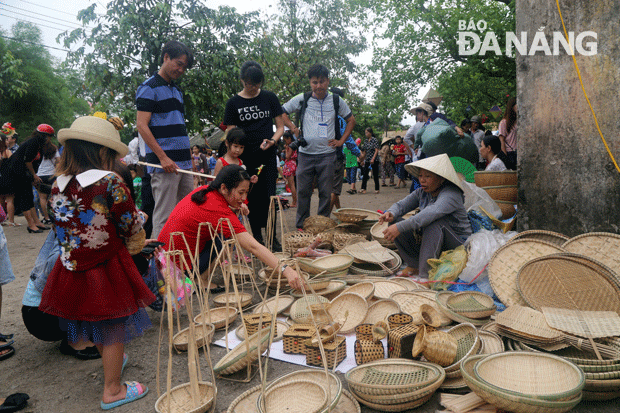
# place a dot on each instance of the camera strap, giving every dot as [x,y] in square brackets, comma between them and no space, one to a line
[304,106]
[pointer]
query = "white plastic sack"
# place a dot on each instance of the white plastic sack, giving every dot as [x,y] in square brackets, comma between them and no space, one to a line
[480,248]
[476,197]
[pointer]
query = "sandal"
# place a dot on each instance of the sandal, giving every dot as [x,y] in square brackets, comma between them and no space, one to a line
[6,344]
[14,403]
[6,337]
[407,272]
[135,391]
[9,351]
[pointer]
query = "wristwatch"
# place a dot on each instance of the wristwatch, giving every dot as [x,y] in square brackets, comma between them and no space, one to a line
[284,267]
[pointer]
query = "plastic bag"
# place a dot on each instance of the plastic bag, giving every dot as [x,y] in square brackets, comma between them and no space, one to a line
[158,276]
[447,268]
[476,197]
[480,247]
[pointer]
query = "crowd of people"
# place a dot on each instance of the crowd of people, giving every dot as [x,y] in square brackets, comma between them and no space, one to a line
[87,287]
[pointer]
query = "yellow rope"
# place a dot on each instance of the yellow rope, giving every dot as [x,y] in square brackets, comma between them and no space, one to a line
[557,2]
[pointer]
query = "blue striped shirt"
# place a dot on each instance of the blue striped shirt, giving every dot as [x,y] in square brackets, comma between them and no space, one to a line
[165,103]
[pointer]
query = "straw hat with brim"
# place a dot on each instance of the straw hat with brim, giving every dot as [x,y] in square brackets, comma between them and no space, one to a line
[439,165]
[95,130]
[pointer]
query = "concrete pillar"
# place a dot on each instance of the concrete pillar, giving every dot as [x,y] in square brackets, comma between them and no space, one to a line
[567,181]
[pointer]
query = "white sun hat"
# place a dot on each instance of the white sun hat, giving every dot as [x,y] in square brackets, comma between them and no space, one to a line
[96,130]
[439,165]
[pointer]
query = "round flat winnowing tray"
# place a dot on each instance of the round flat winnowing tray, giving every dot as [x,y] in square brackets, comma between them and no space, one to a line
[601,246]
[558,282]
[505,263]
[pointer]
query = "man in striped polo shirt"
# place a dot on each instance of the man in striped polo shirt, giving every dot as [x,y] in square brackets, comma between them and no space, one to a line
[161,123]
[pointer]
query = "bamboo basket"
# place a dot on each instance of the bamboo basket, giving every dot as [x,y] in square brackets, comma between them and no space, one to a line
[363,332]
[317,223]
[296,336]
[380,310]
[430,315]
[220,317]
[471,304]
[368,350]
[239,357]
[502,193]
[349,217]
[310,397]
[253,321]
[335,352]
[244,299]
[437,346]
[204,335]
[495,178]
[343,239]
[181,399]
[400,341]
[468,343]
[328,381]
[507,208]
[292,241]
[398,320]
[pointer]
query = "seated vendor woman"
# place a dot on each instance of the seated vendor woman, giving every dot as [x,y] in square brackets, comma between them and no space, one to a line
[442,220]
[222,198]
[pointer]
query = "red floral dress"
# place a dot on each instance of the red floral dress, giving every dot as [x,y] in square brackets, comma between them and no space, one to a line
[94,278]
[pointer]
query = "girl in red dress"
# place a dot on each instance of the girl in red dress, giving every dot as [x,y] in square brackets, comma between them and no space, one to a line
[235,144]
[94,287]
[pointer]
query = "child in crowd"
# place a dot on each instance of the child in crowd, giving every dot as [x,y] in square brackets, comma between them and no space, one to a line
[290,165]
[198,165]
[95,288]
[137,185]
[235,144]
[399,151]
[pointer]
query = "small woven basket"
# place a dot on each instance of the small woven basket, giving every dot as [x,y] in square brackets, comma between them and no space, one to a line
[253,321]
[296,240]
[243,299]
[310,397]
[368,350]
[203,336]
[219,317]
[349,217]
[400,341]
[181,400]
[398,320]
[471,304]
[502,193]
[335,352]
[296,336]
[494,178]
[440,348]
[508,209]
[317,224]
[363,332]
[430,315]
[343,239]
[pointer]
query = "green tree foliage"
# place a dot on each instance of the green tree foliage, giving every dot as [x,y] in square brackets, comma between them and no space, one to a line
[41,93]
[12,84]
[423,50]
[125,46]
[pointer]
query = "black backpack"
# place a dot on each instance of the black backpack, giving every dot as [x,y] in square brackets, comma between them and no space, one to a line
[304,106]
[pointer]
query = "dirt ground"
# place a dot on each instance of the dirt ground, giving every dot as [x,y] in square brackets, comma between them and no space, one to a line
[62,384]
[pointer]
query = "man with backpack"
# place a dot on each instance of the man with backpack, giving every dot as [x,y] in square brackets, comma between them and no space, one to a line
[318,140]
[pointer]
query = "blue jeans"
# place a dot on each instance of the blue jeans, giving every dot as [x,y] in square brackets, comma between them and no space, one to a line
[352,175]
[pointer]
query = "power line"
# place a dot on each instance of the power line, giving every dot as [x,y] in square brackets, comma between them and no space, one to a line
[49,8]
[39,14]
[36,44]
[38,24]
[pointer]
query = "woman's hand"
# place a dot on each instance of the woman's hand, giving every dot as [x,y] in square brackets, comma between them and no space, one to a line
[386,217]
[391,232]
[254,179]
[244,210]
[294,280]
[267,143]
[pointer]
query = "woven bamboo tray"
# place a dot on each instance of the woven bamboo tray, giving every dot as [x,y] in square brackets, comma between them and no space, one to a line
[601,246]
[579,287]
[370,269]
[203,336]
[300,310]
[468,343]
[368,214]
[384,289]
[271,306]
[333,263]
[333,286]
[376,232]
[246,401]
[351,308]
[243,299]
[310,397]
[365,289]
[239,357]
[349,217]
[390,377]
[410,285]
[316,224]
[342,240]
[347,404]
[589,324]
[494,178]
[491,343]
[471,304]
[181,400]
[393,407]
[507,401]
[441,298]
[219,317]
[394,401]
[270,278]
[532,375]
[505,263]
[528,323]
[380,310]
[502,193]
[330,382]
[410,302]
[540,235]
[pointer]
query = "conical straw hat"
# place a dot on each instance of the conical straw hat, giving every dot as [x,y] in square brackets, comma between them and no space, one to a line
[439,164]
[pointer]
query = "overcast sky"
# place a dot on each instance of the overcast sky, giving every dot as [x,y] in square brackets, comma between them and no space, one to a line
[55,16]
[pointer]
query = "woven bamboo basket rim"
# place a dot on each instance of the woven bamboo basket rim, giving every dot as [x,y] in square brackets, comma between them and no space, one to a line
[204,335]
[505,263]
[239,269]
[380,310]
[332,287]
[349,217]
[238,357]
[440,299]
[366,289]
[491,342]
[528,322]
[246,401]
[577,290]
[600,385]
[393,407]
[564,380]
[368,214]
[385,288]
[375,269]
[410,302]
[543,235]
[347,404]
[606,368]
[376,231]
[300,309]
[463,333]
[598,323]
[400,398]
[353,304]
[220,316]
[318,283]
[269,305]
[602,375]
[508,401]
[508,193]
[430,315]
[600,395]
[281,327]
[482,178]
[220,300]
[181,399]
[334,262]
[310,397]
[593,263]
[453,383]
[472,304]
[317,376]
[409,284]
[601,246]
[393,376]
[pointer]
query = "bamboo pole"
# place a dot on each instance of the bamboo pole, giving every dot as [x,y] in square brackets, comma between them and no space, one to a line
[183,171]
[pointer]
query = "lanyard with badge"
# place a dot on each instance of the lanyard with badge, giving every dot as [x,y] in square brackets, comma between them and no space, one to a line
[322,127]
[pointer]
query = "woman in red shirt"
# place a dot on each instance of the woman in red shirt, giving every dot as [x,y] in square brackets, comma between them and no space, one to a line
[399,152]
[220,199]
